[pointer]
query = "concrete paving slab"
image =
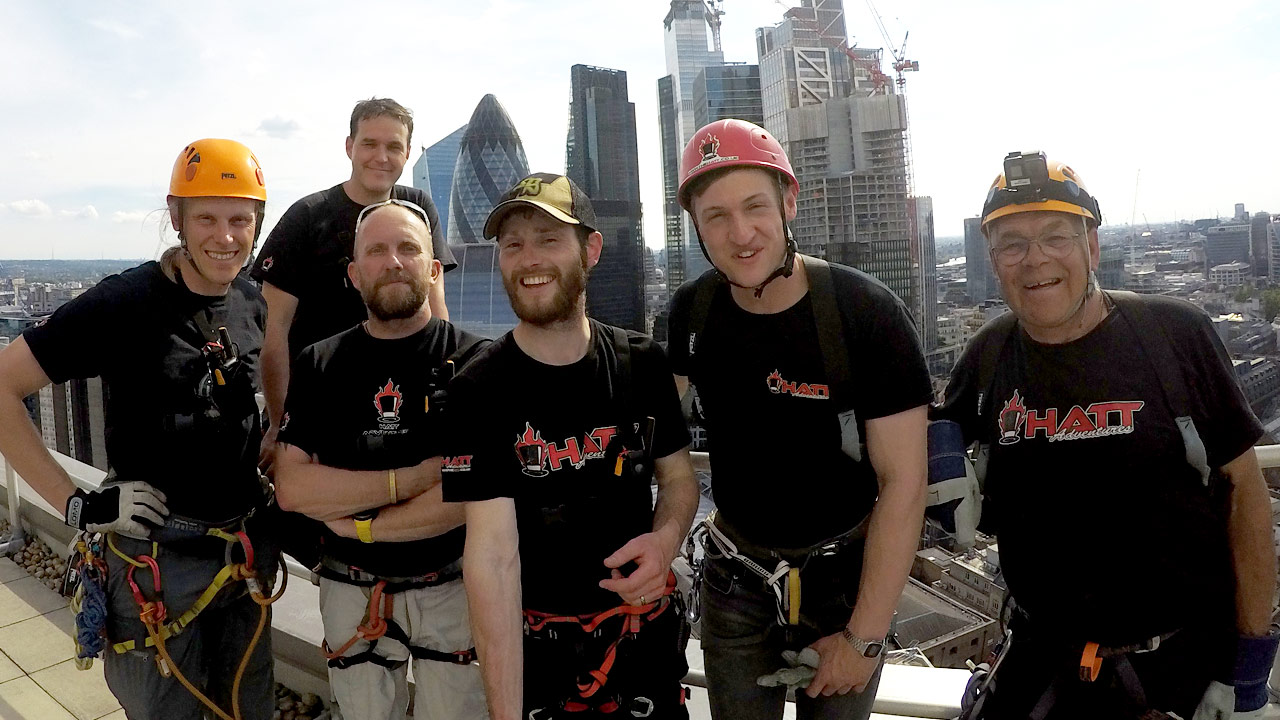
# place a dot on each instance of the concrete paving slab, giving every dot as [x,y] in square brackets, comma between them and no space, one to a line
[8,669]
[10,570]
[39,642]
[22,699]
[83,692]
[26,598]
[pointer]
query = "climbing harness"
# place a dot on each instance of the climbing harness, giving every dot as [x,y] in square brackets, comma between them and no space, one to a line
[380,623]
[633,618]
[153,612]
[783,580]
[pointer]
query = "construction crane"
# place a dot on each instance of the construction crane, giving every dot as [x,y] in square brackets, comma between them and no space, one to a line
[714,8]
[900,62]
[870,62]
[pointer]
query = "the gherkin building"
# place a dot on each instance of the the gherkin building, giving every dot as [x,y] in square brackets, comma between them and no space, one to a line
[490,160]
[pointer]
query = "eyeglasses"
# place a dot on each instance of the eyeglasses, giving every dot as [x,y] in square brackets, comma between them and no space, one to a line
[402,203]
[1057,245]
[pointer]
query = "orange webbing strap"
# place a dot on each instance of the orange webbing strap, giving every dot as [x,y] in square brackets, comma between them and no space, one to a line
[1090,663]
[380,608]
[635,616]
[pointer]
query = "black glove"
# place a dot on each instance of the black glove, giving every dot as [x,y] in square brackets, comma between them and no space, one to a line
[117,508]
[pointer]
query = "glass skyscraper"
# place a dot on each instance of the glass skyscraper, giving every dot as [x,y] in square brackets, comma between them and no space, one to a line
[490,160]
[688,52]
[728,91]
[601,157]
[434,172]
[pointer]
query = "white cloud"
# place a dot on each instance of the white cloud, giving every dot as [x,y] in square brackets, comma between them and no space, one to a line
[88,212]
[36,208]
[133,216]
[118,29]
[278,127]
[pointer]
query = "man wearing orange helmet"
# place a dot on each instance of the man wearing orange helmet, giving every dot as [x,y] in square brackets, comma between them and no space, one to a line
[1115,419]
[818,480]
[176,343]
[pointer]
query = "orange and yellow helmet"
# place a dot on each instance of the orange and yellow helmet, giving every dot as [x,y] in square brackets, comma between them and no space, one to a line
[217,168]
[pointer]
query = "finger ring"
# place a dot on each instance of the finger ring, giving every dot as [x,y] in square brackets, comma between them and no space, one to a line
[642,600]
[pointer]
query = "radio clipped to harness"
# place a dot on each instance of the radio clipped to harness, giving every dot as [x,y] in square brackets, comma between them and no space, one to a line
[637,463]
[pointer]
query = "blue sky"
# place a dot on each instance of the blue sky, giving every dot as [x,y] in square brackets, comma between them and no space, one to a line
[96,99]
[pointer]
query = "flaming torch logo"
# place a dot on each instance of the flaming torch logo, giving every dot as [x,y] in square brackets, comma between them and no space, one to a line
[1012,417]
[710,147]
[532,451]
[774,381]
[388,401]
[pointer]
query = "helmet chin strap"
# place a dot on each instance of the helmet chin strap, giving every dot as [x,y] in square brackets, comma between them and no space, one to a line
[784,270]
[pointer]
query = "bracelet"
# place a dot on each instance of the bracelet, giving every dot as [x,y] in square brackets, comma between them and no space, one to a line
[391,484]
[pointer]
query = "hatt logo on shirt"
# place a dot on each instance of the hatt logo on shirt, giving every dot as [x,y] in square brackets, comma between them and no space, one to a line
[538,458]
[388,401]
[1101,419]
[779,386]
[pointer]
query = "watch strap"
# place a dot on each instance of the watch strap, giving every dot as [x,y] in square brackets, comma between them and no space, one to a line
[364,529]
[865,648]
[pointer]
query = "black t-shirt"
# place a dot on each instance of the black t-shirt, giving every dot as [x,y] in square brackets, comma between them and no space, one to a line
[549,437]
[362,403]
[307,253]
[779,475]
[138,330]
[1106,532]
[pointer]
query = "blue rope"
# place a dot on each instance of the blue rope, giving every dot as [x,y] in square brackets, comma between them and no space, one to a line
[92,618]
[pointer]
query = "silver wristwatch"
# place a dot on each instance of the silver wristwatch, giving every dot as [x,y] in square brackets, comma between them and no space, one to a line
[866,648]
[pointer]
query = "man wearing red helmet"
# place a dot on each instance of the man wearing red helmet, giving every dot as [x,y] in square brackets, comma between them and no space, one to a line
[1146,456]
[819,480]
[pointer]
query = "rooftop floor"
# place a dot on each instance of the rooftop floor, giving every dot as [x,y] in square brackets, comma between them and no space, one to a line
[38,674]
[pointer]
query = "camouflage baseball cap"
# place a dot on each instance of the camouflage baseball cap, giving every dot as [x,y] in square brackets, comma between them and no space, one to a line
[556,195]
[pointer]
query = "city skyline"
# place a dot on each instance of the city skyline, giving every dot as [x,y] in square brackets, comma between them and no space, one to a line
[99,102]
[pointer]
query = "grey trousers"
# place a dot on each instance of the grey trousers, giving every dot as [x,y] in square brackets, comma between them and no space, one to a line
[207,652]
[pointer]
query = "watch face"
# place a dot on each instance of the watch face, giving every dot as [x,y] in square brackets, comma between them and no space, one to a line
[873,650]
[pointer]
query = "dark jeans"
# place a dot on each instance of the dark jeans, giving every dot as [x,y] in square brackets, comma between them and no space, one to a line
[646,673]
[1173,677]
[208,651]
[741,638]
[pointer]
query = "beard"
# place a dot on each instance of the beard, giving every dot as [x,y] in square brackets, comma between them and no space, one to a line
[395,303]
[562,305]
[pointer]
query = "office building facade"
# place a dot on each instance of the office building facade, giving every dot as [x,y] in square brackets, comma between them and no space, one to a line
[602,158]
[688,52]
[725,91]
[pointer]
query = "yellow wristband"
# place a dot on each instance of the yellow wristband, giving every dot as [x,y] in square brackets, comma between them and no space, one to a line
[391,483]
[364,529]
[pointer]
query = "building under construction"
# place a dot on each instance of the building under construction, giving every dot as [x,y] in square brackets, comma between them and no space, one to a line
[845,131]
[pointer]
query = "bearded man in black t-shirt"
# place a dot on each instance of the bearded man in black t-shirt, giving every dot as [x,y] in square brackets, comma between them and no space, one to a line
[303,263]
[822,470]
[557,430]
[1114,439]
[360,443]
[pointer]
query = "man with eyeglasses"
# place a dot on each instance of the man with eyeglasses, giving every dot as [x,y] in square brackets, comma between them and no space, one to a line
[303,264]
[359,450]
[1119,477]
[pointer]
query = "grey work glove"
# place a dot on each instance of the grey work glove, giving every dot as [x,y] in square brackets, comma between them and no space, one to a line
[1219,703]
[801,667]
[117,508]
